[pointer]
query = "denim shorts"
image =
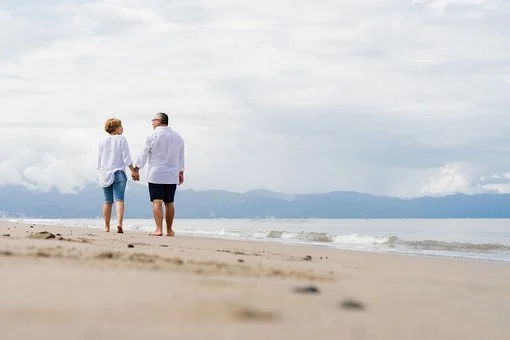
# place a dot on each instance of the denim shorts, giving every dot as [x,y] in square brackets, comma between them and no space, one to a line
[117,188]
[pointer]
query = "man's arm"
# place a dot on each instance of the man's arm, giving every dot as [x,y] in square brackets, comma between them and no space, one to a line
[181,165]
[181,177]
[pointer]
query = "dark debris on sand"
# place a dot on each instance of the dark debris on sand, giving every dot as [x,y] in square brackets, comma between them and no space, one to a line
[306,290]
[352,304]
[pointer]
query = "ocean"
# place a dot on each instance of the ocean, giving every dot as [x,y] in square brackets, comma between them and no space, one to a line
[483,239]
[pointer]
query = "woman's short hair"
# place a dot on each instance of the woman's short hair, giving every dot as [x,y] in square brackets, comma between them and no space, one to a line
[112,124]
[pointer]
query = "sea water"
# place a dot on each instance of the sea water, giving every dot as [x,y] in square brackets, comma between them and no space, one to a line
[485,239]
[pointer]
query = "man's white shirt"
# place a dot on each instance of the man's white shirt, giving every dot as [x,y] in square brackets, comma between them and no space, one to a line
[164,152]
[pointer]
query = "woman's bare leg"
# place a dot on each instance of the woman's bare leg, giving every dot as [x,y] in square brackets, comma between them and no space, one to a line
[119,207]
[107,214]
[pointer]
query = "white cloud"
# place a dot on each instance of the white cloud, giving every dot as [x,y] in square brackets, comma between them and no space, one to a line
[378,96]
[452,178]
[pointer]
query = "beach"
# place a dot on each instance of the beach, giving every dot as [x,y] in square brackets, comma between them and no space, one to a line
[80,283]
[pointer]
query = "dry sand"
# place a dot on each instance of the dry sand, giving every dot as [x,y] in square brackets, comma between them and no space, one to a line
[87,284]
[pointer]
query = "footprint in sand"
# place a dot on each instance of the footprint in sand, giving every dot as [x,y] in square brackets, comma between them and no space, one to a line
[249,313]
[43,235]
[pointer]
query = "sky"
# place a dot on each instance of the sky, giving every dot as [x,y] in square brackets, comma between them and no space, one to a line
[388,97]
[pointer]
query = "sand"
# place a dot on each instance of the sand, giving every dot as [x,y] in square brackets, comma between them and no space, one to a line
[71,283]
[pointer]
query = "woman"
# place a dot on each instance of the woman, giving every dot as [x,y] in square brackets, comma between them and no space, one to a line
[113,159]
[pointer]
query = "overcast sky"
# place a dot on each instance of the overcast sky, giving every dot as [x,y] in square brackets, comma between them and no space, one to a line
[390,97]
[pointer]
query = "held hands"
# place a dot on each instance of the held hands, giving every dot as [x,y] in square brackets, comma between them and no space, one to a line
[135,175]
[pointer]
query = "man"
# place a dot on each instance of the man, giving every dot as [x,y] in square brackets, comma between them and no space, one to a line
[164,151]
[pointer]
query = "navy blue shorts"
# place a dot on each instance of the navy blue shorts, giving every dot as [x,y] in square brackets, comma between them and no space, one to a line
[165,192]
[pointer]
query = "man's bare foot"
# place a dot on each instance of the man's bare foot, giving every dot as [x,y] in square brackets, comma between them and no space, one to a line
[170,233]
[156,233]
[119,230]
[106,229]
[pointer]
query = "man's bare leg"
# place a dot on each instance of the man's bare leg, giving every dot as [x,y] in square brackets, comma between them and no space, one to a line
[169,217]
[107,214]
[157,211]
[119,207]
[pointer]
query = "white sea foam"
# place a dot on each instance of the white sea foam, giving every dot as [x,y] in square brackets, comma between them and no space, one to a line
[356,239]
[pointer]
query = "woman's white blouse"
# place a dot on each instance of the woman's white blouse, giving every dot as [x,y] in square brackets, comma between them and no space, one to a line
[113,155]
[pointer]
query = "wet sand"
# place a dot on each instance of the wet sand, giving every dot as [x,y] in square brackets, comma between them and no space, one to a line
[71,283]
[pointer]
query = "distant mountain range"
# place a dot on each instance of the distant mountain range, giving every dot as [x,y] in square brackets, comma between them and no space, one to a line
[17,201]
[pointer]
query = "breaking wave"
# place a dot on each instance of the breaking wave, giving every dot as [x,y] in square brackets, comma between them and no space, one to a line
[447,246]
[382,242]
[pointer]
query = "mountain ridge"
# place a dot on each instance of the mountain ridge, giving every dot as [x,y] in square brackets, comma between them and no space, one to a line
[17,201]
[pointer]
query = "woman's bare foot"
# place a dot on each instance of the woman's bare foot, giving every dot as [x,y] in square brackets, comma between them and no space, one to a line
[106,229]
[170,233]
[156,233]
[119,230]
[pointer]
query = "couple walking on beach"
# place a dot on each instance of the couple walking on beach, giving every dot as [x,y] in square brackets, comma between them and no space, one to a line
[164,153]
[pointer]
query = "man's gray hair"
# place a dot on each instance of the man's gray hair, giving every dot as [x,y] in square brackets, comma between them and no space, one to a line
[164,118]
